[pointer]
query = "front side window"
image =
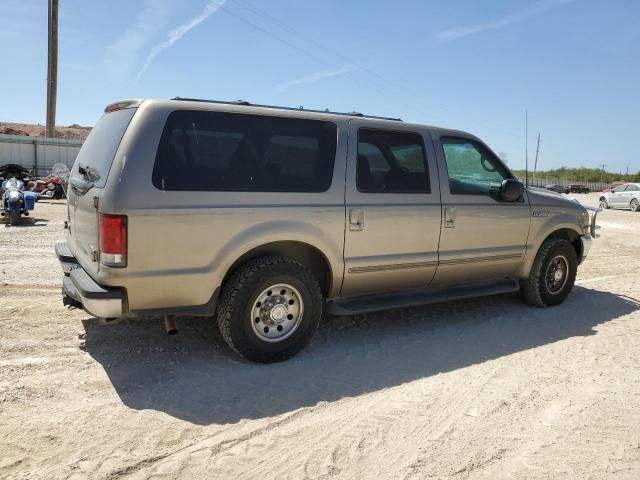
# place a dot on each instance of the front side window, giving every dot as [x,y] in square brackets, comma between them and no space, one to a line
[472,169]
[215,151]
[619,189]
[391,162]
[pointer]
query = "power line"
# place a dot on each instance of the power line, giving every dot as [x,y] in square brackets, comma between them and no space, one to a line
[309,39]
[272,35]
[306,52]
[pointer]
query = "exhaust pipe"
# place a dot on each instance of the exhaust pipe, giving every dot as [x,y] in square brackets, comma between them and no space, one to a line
[170,325]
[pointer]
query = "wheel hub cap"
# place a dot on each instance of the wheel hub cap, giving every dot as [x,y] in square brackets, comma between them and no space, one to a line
[557,274]
[277,312]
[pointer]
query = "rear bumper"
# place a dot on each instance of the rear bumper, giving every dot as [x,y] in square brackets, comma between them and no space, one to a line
[97,300]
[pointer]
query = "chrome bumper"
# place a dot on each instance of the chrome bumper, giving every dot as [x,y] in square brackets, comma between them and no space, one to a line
[593,216]
[586,241]
[96,300]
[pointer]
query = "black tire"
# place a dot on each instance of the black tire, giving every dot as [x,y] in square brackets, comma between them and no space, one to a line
[634,205]
[239,294]
[14,218]
[604,204]
[536,289]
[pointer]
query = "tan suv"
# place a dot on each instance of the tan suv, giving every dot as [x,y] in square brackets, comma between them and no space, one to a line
[267,217]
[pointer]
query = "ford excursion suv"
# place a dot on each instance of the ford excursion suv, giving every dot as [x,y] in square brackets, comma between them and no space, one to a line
[267,218]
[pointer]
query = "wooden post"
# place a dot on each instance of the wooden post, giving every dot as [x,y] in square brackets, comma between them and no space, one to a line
[52,69]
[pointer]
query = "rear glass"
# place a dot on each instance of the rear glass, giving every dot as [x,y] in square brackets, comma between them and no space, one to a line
[100,146]
[214,151]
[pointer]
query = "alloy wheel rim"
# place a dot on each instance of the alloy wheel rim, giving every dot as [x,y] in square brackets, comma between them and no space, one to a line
[556,275]
[277,312]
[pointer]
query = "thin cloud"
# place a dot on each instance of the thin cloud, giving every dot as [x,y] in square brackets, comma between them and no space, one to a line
[314,77]
[122,56]
[177,33]
[536,8]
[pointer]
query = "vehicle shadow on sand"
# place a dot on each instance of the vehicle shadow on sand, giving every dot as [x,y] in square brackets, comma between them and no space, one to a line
[25,222]
[193,377]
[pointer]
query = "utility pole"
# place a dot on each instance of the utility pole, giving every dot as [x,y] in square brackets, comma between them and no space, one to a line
[535,164]
[602,172]
[526,148]
[52,68]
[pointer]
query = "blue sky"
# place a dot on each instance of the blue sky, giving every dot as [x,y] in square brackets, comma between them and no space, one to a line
[473,65]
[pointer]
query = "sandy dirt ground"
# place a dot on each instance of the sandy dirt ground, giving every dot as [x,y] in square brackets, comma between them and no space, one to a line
[482,389]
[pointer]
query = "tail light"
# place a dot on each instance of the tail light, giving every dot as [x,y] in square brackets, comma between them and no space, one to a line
[113,240]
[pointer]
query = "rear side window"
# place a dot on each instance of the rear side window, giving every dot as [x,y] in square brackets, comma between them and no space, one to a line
[214,151]
[391,162]
[100,147]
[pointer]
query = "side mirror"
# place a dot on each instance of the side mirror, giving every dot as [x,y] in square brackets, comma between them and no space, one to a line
[511,190]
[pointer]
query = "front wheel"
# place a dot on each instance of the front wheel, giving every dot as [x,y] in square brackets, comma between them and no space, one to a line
[604,204]
[552,275]
[635,206]
[269,309]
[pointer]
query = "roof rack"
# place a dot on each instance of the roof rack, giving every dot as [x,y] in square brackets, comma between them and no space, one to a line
[247,104]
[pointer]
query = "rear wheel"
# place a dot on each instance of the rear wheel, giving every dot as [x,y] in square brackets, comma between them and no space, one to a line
[635,206]
[269,309]
[552,275]
[14,218]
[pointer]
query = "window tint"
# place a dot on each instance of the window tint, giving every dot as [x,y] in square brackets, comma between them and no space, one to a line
[391,162]
[215,151]
[100,147]
[472,169]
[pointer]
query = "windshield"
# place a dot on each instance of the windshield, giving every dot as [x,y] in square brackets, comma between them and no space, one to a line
[97,152]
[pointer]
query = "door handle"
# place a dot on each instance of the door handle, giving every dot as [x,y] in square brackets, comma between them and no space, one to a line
[449,217]
[356,219]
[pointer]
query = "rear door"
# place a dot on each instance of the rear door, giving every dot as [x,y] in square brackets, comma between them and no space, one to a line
[482,237]
[87,182]
[393,209]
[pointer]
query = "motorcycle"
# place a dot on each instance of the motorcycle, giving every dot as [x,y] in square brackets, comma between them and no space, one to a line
[14,201]
[54,186]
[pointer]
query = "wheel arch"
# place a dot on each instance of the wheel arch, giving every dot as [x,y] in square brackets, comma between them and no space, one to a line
[564,230]
[302,252]
[567,234]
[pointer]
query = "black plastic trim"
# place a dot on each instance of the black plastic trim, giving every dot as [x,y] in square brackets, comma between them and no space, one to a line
[412,298]
[88,288]
[64,253]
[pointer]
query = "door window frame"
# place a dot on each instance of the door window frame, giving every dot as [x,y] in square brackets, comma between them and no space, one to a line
[425,162]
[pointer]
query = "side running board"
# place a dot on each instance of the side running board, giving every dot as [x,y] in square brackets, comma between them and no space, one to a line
[413,298]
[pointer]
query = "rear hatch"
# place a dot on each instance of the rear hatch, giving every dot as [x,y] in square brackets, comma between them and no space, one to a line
[88,179]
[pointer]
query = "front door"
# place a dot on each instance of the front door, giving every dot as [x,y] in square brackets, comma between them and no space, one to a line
[482,237]
[393,209]
[618,196]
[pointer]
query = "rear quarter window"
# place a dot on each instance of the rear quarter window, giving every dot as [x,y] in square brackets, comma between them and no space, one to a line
[216,151]
[100,147]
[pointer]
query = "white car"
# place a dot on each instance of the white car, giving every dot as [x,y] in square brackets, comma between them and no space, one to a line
[623,196]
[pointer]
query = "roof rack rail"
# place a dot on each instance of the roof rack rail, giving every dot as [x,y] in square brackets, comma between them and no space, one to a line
[247,104]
